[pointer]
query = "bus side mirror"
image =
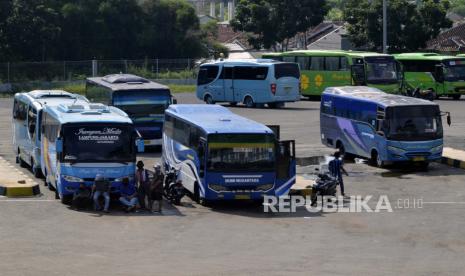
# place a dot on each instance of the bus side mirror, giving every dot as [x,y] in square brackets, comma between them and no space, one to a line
[140,145]
[448,119]
[59,145]
[175,101]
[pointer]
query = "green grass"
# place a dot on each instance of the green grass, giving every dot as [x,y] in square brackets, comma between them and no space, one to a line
[181,88]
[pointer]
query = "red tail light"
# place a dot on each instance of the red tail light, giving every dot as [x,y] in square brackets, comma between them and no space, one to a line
[273,88]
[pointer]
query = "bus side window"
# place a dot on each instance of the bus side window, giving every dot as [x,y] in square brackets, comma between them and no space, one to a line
[20,110]
[344,64]
[289,59]
[304,63]
[207,74]
[317,64]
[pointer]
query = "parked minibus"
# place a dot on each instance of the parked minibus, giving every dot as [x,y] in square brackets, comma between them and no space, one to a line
[326,68]
[364,121]
[441,74]
[254,82]
[82,140]
[27,114]
[222,156]
[143,100]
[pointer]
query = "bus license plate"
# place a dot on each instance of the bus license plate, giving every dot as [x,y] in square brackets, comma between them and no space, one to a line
[242,196]
[418,158]
[147,142]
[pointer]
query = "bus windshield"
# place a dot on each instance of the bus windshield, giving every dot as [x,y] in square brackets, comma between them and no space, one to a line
[143,105]
[454,70]
[381,70]
[97,143]
[413,123]
[241,152]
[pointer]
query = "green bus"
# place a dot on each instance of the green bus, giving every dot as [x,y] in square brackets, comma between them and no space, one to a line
[443,75]
[321,69]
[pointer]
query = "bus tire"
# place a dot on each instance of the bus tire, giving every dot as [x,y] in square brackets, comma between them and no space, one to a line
[196,194]
[67,199]
[21,162]
[232,104]
[456,97]
[35,170]
[424,166]
[208,99]
[376,159]
[248,101]
[57,194]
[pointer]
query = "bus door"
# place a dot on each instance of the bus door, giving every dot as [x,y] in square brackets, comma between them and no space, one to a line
[358,72]
[285,160]
[228,84]
[31,131]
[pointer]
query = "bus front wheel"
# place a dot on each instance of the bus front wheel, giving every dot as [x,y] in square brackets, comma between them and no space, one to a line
[248,101]
[376,159]
[35,170]
[456,97]
[209,100]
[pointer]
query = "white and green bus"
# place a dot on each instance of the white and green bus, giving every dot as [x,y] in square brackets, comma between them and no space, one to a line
[324,68]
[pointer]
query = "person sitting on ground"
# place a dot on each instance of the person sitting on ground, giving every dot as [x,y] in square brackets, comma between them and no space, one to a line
[156,189]
[101,187]
[128,195]
[336,169]
[81,197]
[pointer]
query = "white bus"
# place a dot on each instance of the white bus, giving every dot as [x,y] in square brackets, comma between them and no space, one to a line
[253,82]
[27,112]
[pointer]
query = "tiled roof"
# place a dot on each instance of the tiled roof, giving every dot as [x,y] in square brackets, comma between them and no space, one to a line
[451,40]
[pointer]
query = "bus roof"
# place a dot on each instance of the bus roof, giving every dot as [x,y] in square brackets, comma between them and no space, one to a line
[216,119]
[328,53]
[425,56]
[250,62]
[39,98]
[87,113]
[374,95]
[117,82]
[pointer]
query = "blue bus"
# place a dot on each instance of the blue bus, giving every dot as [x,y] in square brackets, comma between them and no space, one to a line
[385,128]
[252,82]
[27,114]
[81,140]
[220,155]
[143,100]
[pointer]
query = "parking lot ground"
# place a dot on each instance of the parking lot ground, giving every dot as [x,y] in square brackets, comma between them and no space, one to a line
[423,233]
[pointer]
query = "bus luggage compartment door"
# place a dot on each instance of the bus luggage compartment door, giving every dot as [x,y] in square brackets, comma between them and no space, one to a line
[285,159]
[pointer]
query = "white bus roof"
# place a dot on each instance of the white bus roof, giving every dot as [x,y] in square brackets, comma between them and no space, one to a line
[39,98]
[250,62]
[118,82]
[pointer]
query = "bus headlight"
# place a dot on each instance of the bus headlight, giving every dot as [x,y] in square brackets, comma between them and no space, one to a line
[438,148]
[70,178]
[264,188]
[396,150]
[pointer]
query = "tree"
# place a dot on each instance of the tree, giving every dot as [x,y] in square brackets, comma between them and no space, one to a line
[172,29]
[409,26]
[275,21]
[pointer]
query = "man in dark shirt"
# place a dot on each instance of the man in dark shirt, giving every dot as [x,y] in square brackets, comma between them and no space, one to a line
[336,169]
[156,189]
[128,195]
[101,187]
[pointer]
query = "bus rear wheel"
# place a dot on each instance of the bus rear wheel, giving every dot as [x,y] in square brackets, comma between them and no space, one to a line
[21,162]
[35,170]
[456,97]
[209,100]
[248,101]
[376,159]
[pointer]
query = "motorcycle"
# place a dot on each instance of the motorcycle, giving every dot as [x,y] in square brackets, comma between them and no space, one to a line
[174,190]
[421,94]
[325,186]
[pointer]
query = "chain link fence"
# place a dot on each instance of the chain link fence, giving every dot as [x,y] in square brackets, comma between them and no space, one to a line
[23,72]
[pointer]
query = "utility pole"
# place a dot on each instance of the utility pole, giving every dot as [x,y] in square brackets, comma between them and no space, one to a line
[385,26]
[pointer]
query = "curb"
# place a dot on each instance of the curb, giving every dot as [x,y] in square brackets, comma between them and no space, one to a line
[16,191]
[453,162]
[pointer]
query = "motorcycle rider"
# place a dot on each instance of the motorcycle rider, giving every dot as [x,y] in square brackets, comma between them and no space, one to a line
[336,169]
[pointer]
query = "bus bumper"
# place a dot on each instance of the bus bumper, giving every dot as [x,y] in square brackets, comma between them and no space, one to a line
[153,142]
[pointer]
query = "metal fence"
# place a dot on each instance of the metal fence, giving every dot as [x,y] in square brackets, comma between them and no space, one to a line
[21,72]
